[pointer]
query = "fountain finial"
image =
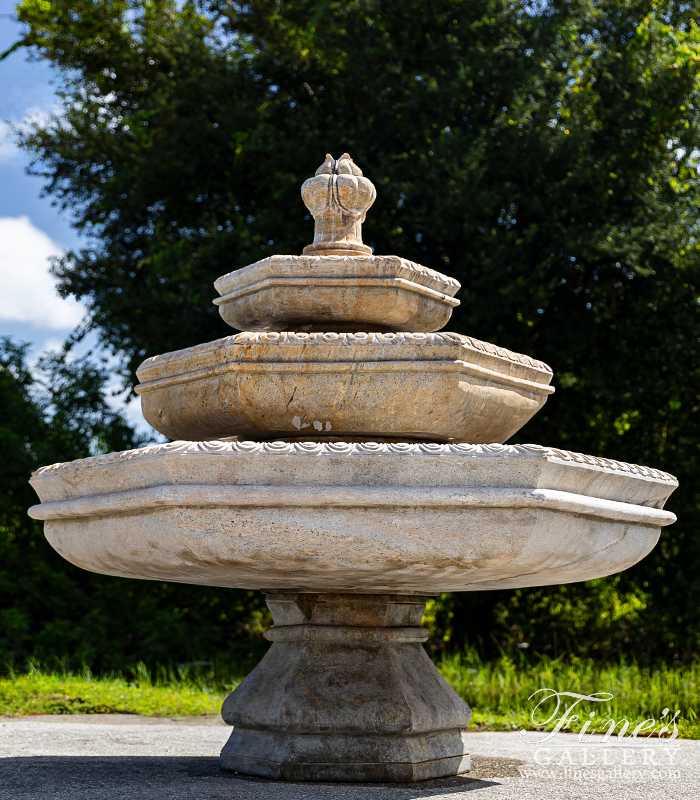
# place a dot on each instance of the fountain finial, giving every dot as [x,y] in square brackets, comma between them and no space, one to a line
[338,196]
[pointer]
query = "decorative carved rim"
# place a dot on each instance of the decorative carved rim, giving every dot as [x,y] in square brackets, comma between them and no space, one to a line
[239,278]
[344,340]
[355,450]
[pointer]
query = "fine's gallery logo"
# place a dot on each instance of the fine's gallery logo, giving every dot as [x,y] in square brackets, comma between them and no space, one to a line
[571,713]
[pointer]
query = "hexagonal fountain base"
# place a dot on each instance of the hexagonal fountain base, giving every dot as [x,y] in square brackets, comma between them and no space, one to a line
[346,693]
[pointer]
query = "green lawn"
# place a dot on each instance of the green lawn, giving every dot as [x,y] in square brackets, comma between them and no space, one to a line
[169,694]
[498,691]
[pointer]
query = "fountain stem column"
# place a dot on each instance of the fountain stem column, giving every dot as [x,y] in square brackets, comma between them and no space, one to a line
[346,693]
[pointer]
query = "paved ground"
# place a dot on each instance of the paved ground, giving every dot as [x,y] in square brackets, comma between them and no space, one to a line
[133,758]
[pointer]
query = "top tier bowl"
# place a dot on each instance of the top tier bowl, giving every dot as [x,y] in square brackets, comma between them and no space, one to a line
[338,284]
[345,293]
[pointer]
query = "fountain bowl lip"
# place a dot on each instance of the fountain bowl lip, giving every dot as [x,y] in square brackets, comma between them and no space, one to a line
[414,517]
[348,265]
[358,450]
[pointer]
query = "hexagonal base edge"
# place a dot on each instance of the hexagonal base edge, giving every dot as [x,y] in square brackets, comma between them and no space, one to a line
[346,758]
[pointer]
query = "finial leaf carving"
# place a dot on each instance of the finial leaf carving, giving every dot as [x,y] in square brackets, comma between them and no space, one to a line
[338,197]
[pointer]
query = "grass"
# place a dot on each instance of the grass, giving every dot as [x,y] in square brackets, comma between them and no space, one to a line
[168,693]
[498,691]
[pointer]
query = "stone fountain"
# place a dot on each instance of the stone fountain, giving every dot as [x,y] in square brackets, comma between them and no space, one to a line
[348,475]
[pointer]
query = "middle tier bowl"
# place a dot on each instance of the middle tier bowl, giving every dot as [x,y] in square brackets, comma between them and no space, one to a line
[440,387]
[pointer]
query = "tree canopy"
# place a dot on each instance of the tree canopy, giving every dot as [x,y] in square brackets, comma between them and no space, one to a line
[544,154]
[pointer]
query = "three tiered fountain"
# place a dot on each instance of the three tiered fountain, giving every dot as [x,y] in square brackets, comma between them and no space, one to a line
[348,475]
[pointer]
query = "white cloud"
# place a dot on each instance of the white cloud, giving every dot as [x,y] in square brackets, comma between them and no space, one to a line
[9,151]
[27,290]
[9,130]
[8,144]
[54,344]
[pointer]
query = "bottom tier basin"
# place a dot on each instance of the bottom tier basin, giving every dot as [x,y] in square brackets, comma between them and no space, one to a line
[347,539]
[412,518]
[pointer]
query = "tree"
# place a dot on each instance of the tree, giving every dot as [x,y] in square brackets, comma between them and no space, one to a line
[543,154]
[49,608]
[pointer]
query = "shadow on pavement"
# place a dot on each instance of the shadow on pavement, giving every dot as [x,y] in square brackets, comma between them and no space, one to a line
[199,778]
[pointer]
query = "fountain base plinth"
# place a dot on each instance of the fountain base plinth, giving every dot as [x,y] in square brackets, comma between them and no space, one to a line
[346,693]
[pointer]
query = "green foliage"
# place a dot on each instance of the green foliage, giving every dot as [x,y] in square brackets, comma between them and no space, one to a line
[58,417]
[542,154]
[49,608]
[499,691]
[172,693]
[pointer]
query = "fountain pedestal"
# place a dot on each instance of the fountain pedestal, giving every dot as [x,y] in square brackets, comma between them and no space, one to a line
[346,693]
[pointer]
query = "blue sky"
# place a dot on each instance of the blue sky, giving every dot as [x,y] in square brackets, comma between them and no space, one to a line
[31,229]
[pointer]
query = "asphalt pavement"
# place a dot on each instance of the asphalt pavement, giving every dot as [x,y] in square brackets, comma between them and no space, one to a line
[124,757]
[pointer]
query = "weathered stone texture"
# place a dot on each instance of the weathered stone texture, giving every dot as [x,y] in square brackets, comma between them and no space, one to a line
[338,197]
[430,386]
[358,706]
[338,293]
[418,518]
